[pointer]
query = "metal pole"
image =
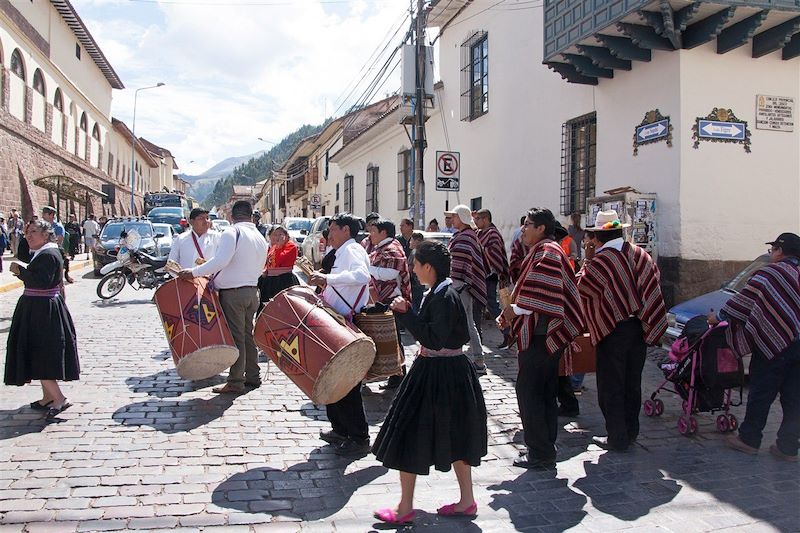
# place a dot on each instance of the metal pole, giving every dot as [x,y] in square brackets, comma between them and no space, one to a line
[419,144]
[133,144]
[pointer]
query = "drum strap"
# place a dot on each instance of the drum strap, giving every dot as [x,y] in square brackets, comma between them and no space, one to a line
[197,245]
[358,298]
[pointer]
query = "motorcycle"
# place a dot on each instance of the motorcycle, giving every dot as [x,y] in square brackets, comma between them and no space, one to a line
[140,270]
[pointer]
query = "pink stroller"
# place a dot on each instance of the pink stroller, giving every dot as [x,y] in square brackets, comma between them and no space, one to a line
[703,371]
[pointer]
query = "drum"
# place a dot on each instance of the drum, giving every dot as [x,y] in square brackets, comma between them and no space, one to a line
[198,335]
[313,345]
[582,362]
[389,357]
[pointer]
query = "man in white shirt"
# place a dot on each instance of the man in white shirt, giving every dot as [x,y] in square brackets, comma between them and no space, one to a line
[238,262]
[345,289]
[196,246]
[90,229]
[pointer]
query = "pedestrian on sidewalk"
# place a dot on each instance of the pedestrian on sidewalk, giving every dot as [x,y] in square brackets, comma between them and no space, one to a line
[496,264]
[14,227]
[469,275]
[545,316]
[625,312]
[91,230]
[346,289]
[73,229]
[237,263]
[764,320]
[438,417]
[41,341]
[3,239]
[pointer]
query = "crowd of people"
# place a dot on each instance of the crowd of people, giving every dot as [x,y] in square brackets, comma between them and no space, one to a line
[557,284]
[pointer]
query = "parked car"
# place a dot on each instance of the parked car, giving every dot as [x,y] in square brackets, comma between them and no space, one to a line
[298,228]
[441,236]
[316,241]
[105,250]
[220,224]
[164,244]
[174,216]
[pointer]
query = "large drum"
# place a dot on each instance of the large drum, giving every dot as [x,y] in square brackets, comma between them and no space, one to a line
[582,362]
[313,344]
[389,357]
[198,335]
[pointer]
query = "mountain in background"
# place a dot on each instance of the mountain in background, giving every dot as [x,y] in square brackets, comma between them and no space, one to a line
[214,190]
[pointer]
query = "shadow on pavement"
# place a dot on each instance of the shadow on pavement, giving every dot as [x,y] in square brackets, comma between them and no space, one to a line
[168,384]
[528,507]
[172,416]
[21,421]
[311,490]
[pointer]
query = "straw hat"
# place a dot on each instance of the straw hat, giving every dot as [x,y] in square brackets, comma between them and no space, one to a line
[607,221]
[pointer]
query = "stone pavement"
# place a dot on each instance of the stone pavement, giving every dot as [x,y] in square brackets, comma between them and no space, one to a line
[142,449]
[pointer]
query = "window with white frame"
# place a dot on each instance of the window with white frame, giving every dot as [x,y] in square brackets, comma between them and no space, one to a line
[372,189]
[404,171]
[348,193]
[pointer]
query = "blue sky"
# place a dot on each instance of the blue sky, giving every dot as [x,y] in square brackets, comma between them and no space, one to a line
[235,70]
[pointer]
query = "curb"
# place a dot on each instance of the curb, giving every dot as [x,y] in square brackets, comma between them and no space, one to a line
[74,266]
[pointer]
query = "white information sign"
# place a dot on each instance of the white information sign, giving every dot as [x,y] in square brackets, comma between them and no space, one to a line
[774,113]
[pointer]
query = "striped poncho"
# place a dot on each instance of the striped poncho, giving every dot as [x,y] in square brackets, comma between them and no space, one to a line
[518,253]
[466,263]
[494,252]
[766,314]
[547,287]
[391,255]
[616,285]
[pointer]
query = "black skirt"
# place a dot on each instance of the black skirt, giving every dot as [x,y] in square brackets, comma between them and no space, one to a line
[438,417]
[269,286]
[41,342]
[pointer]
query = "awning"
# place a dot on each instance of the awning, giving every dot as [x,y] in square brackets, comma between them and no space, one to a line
[68,188]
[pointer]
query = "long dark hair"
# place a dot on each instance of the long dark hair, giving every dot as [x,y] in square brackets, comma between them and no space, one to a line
[435,254]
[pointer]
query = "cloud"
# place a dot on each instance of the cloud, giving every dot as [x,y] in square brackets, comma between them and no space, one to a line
[236,72]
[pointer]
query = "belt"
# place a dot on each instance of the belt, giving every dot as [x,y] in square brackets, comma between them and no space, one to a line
[444,352]
[42,293]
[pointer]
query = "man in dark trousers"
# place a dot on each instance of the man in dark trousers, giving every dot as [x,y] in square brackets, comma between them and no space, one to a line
[764,320]
[625,312]
[345,289]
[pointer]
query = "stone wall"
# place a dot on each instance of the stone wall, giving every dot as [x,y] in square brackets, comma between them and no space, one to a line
[684,279]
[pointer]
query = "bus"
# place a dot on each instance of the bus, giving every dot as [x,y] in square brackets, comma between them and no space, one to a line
[167,199]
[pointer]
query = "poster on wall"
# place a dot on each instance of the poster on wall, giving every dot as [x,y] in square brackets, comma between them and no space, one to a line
[775,113]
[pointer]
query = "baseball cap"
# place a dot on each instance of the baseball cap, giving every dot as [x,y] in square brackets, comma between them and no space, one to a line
[788,242]
[196,212]
[48,209]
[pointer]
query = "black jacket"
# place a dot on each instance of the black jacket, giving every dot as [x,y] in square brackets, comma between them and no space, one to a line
[441,322]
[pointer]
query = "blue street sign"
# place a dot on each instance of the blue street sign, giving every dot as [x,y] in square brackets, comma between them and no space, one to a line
[713,129]
[650,132]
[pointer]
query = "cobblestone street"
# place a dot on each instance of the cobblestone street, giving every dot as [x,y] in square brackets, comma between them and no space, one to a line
[143,449]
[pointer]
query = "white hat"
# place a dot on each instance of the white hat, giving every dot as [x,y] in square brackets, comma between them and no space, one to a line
[607,221]
[463,212]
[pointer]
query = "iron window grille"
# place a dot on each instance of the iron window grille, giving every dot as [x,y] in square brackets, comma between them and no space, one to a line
[578,163]
[372,189]
[404,171]
[475,76]
[17,64]
[348,193]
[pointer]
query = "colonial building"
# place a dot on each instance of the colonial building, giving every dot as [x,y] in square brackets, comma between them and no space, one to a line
[694,102]
[58,142]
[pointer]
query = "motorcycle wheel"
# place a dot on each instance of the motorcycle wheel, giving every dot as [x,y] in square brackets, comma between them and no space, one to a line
[111,285]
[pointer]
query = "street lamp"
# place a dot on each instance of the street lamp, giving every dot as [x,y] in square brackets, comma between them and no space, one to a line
[133,144]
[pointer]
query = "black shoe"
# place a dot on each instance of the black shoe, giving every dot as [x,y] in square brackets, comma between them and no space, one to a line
[331,437]
[603,443]
[38,406]
[250,385]
[507,339]
[567,413]
[353,447]
[392,383]
[531,463]
[55,411]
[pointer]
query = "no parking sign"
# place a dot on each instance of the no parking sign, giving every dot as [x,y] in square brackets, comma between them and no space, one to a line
[448,171]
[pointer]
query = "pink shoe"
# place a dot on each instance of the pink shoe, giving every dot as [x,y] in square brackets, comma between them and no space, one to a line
[450,510]
[390,516]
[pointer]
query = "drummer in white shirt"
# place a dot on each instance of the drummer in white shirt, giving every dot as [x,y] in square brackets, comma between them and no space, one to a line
[196,246]
[346,290]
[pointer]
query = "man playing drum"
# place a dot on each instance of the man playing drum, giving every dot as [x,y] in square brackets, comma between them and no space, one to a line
[236,266]
[196,246]
[346,290]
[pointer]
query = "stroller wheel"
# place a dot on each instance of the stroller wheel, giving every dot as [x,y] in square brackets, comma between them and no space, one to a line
[659,405]
[723,424]
[733,424]
[649,407]
[683,425]
[693,425]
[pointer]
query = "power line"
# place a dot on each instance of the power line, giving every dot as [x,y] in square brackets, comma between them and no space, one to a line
[245,3]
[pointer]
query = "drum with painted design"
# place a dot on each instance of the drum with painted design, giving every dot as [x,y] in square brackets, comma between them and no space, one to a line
[323,354]
[196,329]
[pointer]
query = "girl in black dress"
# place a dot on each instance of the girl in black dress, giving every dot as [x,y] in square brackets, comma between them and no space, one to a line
[41,341]
[438,417]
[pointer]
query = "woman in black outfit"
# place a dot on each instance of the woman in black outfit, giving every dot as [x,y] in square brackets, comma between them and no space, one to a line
[438,417]
[41,342]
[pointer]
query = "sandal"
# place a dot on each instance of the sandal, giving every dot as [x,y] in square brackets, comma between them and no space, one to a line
[55,411]
[450,510]
[390,516]
[38,406]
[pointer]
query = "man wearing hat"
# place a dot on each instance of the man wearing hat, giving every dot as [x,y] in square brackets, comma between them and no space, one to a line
[625,312]
[764,320]
[468,274]
[196,246]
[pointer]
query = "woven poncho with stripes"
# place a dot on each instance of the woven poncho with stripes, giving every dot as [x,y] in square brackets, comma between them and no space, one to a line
[616,285]
[547,287]
[766,313]
[391,255]
[494,251]
[466,263]
[518,253]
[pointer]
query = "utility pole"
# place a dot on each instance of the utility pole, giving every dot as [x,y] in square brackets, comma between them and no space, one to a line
[419,122]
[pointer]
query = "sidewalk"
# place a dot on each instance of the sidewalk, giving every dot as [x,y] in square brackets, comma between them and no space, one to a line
[9,282]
